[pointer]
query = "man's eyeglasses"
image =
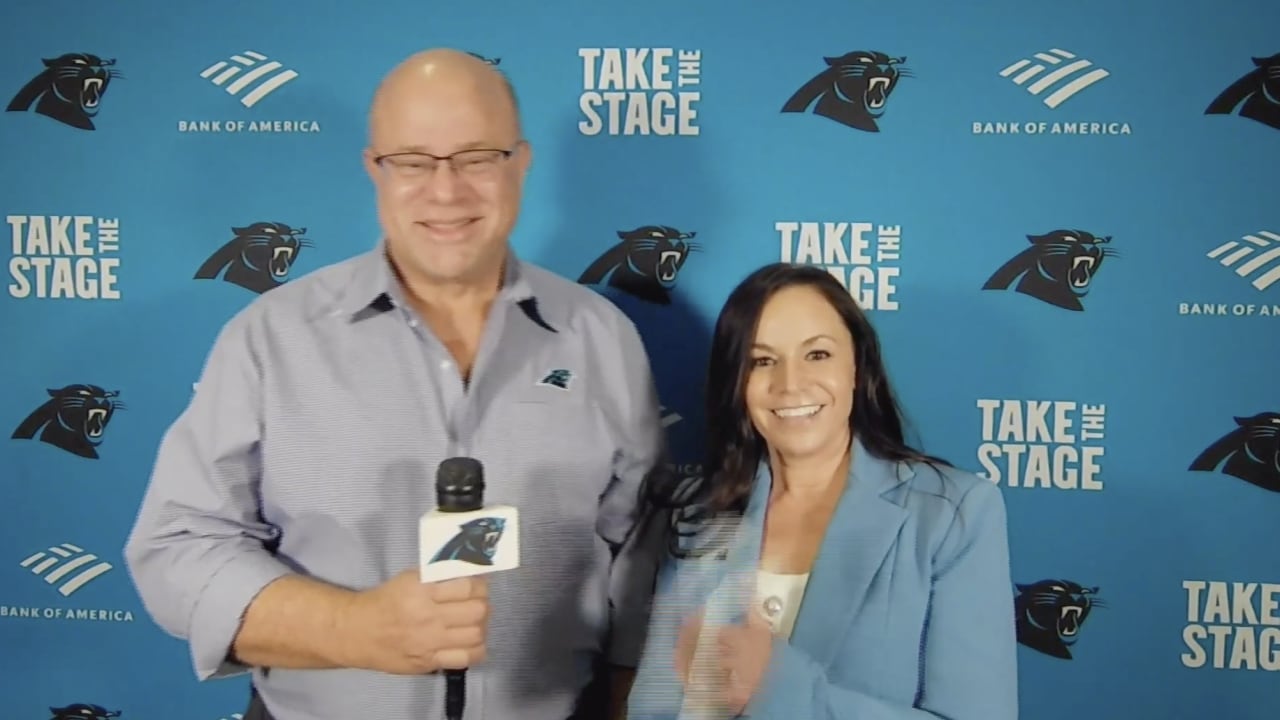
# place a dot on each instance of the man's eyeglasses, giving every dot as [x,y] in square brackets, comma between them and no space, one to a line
[477,163]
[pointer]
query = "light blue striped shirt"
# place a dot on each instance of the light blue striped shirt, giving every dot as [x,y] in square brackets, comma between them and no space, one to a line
[320,418]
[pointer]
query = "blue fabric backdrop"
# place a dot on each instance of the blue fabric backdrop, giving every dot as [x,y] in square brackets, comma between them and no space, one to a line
[1061,215]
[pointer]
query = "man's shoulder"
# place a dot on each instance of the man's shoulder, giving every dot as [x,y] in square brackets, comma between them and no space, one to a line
[297,302]
[578,306]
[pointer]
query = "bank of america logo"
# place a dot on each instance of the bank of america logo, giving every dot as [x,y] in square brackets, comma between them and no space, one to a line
[66,566]
[1254,257]
[1064,80]
[669,417]
[243,71]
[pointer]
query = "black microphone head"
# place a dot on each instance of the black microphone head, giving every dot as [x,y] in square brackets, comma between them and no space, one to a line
[460,485]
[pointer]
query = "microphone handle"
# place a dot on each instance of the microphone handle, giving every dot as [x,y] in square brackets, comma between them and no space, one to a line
[455,693]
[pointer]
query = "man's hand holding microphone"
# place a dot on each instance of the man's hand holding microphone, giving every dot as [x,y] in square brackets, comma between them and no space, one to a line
[409,627]
[421,621]
[435,617]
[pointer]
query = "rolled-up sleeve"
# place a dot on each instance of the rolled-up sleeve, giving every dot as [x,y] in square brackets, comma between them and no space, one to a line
[196,553]
[633,401]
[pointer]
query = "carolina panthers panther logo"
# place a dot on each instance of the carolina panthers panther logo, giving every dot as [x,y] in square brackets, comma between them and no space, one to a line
[558,378]
[258,258]
[1058,268]
[82,711]
[645,264]
[492,61]
[73,419]
[852,90]
[1256,94]
[69,89]
[475,543]
[1050,613]
[1250,452]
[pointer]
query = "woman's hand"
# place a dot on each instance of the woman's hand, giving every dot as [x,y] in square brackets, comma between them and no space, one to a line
[686,644]
[743,653]
[744,656]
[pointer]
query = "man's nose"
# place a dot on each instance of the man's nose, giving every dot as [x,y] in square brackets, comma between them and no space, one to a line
[443,182]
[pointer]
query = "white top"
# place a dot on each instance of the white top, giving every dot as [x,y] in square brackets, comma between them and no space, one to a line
[778,598]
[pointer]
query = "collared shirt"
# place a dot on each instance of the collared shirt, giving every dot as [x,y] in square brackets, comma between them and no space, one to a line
[312,443]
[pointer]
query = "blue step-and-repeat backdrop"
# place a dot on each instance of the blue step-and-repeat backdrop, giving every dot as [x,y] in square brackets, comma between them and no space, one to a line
[1062,216]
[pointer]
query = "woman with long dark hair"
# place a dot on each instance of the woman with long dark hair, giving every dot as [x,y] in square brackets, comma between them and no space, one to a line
[822,567]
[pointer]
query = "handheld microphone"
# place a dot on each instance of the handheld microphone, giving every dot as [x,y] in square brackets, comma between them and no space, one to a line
[462,537]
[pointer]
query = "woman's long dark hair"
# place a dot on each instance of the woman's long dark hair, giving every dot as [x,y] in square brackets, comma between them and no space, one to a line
[733,447]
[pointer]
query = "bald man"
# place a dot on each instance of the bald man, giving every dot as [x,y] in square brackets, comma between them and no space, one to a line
[278,534]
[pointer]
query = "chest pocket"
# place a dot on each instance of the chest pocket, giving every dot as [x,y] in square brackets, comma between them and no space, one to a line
[559,440]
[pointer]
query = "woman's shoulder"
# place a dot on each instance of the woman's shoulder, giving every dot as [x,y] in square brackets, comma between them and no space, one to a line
[942,491]
[943,479]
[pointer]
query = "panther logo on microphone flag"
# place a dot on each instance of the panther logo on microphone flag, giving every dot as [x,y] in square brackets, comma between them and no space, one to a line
[475,543]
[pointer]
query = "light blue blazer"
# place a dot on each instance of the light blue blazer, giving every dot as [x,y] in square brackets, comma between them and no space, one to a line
[908,614]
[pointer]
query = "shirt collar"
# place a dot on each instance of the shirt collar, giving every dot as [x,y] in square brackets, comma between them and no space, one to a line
[374,287]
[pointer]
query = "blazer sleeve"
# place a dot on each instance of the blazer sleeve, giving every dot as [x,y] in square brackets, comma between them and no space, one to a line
[706,585]
[968,660]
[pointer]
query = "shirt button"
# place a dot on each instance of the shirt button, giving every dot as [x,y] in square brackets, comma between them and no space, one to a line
[445,365]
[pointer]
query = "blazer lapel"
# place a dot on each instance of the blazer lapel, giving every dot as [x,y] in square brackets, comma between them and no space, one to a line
[861,533]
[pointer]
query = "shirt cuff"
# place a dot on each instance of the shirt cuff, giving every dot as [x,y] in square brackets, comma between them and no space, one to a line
[218,612]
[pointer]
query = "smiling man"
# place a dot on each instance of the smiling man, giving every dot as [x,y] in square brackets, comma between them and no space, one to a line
[278,534]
